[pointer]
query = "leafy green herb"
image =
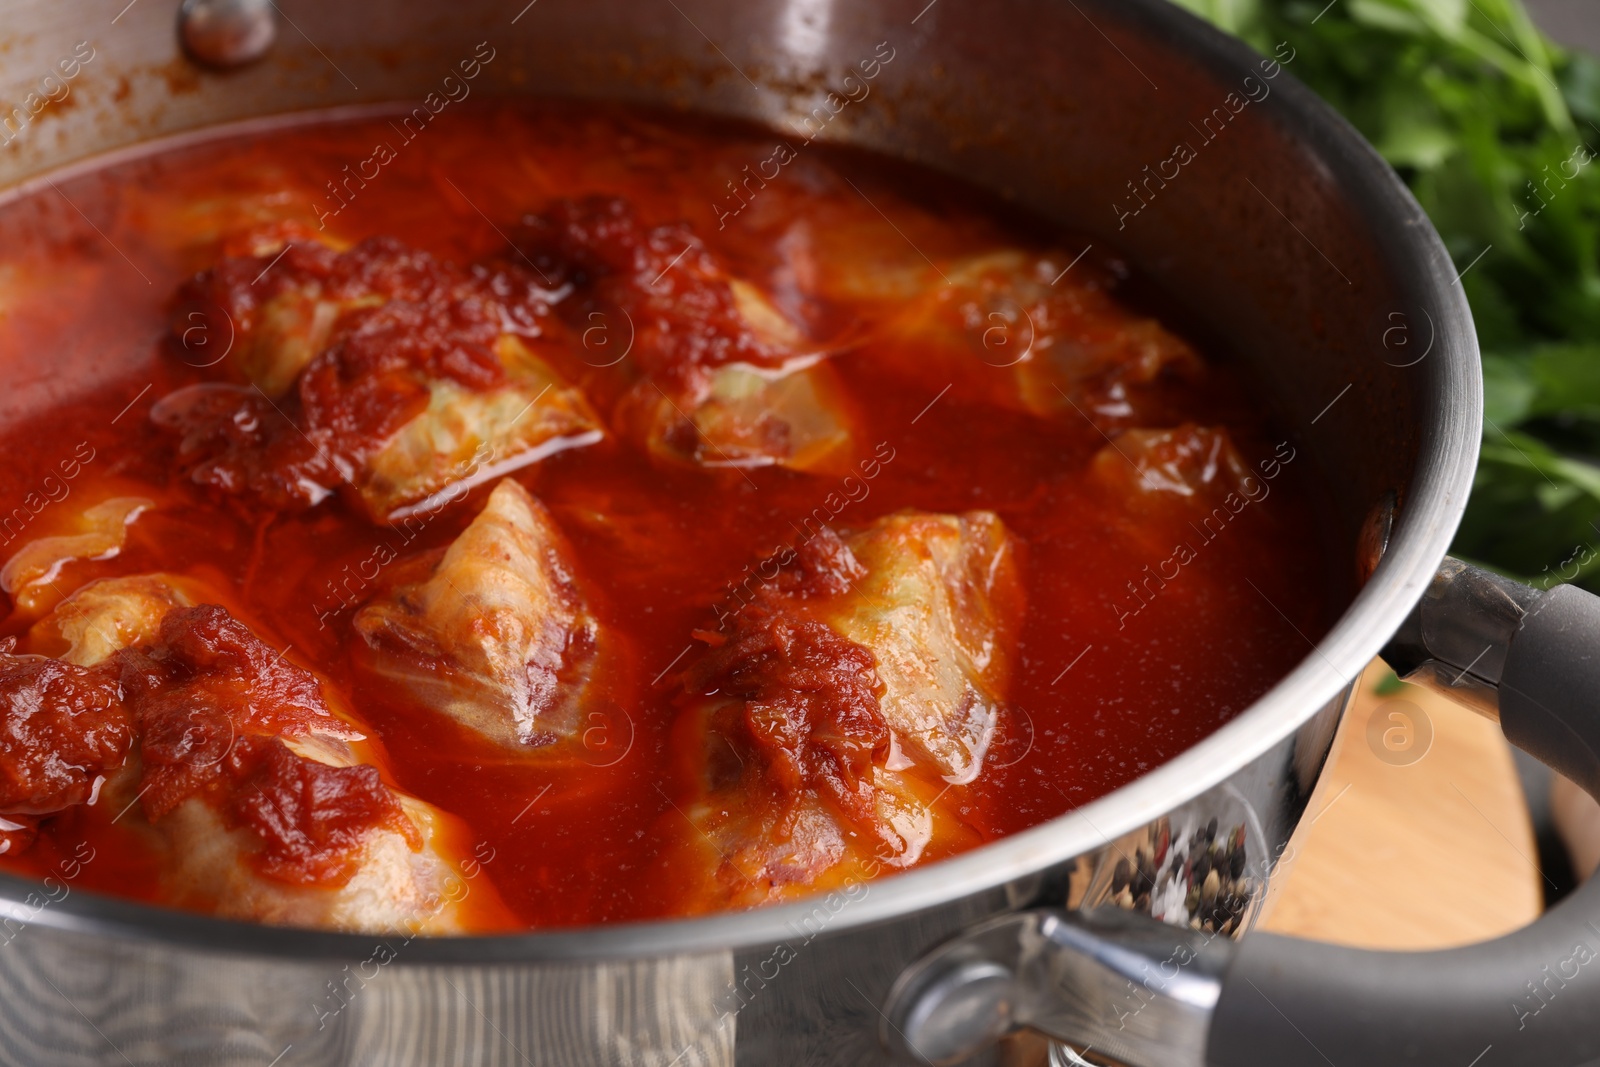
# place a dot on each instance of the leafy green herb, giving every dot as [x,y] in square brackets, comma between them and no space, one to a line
[1497,132]
[1389,685]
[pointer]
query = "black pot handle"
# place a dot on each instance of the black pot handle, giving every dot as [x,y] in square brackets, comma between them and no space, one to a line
[1532,997]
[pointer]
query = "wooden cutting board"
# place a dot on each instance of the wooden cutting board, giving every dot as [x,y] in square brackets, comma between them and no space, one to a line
[1405,846]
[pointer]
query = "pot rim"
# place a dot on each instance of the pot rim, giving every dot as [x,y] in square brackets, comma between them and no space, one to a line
[1451,408]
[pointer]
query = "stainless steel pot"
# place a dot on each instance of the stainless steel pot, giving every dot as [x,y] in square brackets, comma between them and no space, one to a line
[1287,234]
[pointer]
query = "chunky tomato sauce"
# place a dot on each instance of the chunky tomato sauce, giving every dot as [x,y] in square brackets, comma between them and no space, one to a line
[1154,603]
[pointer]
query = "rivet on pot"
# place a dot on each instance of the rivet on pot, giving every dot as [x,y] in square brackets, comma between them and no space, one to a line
[227,33]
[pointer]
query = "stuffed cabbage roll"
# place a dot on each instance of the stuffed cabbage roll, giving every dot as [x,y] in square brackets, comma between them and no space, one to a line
[495,633]
[934,601]
[712,372]
[244,780]
[1187,466]
[1169,492]
[824,730]
[399,378]
[1037,332]
[1021,331]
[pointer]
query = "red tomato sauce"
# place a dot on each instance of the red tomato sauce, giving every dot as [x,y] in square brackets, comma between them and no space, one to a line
[1121,663]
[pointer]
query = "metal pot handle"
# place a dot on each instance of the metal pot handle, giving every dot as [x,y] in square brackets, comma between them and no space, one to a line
[1132,990]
